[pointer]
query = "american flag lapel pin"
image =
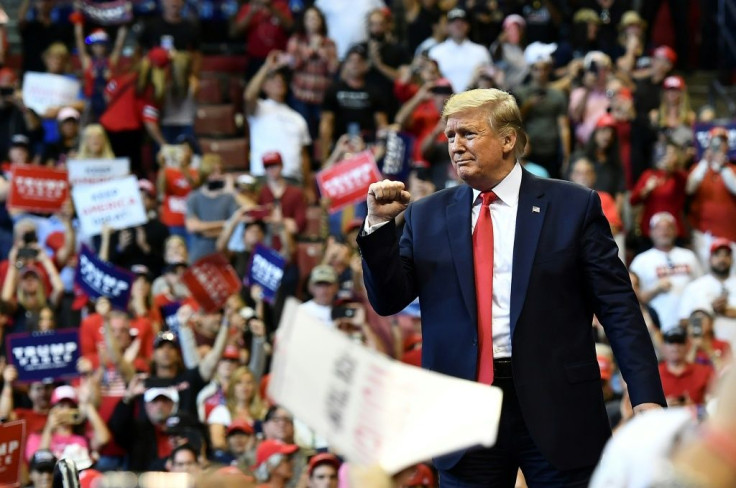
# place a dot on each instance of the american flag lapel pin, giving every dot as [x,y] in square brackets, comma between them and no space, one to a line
[535,209]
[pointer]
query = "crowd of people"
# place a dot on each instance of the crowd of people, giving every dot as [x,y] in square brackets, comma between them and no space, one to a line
[603,105]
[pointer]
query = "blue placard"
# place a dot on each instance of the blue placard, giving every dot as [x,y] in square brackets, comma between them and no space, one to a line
[98,278]
[44,355]
[702,138]
[266,270]
[397,161]
[170,316]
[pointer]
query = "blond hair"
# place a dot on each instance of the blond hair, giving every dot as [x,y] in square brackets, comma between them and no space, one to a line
[210,163]
[256,406]
[84,151]
[500,108]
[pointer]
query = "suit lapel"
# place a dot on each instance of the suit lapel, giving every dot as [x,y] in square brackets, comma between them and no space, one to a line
[529,219]
[461,243]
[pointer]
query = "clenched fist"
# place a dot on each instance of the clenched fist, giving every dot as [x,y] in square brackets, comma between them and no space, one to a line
[386,200]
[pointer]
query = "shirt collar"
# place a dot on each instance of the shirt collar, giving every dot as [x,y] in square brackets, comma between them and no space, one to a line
[508,189]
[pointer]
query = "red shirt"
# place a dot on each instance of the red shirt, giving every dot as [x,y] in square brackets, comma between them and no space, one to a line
[423,120]
[610,210]
[692,382]
[176,189]
[35,421]
[126,109]
[713,207]
[667,196]
[293,204]
[91,336]
[265,32]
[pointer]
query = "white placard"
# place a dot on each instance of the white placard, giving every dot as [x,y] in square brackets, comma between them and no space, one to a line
[42,91]
[115,202]
[88,171]
[371,409]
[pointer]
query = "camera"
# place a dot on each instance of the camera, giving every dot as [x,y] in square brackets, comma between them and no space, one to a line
[593,67]
[6,91]
[715,143]
[29,237]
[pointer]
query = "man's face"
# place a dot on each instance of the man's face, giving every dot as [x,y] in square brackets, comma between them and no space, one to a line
[121,331]
[540,71]
[480,157]
[172,7]
[721,261]
[275,87]
[280,426]
[323,476]
[355,66]
[583,174]
[40,395]
[457,29]
[210,323]
[253,235]
[323,293]
[377,26]
[663,233]
[225,368]
[273,171]
[238,443]
[674,352]
[166,355]
[159,409]
[18,154]
[41,479]
[185,462]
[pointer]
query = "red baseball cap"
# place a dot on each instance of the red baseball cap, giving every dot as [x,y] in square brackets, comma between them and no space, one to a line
[231,352]
[239,426]
[665,52]
[720,243]
[674,82]
[159,57]
[605,120]
[271,158]
[423,476]
[323,458]
[271,447]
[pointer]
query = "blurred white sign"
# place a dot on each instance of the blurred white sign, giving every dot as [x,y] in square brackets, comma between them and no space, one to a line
[116,203]
[371,409]
[87,171]
[42,91]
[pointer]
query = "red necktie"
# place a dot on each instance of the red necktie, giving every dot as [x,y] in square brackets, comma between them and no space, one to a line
[483,259]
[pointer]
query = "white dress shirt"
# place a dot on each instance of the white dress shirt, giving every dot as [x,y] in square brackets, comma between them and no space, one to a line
[503,215]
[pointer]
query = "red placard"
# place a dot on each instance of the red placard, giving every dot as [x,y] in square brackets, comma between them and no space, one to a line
[37,189]
[211,280]
[12,441]
[348,182]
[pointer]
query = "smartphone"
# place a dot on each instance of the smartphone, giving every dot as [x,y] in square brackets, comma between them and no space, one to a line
[27,253]
[696,326]
[354,129]
[259,213]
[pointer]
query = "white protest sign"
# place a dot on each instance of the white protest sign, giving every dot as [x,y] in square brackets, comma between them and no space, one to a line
[42,91]
[88,171]
[115,202]
[370,408]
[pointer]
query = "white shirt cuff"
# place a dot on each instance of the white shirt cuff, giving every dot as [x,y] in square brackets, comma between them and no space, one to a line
[370,229]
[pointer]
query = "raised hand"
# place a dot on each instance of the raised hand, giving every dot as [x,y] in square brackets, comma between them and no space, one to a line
[386,200]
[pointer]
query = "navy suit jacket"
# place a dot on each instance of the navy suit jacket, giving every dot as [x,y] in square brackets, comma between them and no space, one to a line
[565,269]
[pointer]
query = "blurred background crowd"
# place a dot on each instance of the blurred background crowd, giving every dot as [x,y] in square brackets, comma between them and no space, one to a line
[226,111]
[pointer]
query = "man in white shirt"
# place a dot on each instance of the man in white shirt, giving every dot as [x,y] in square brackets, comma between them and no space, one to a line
[346,21]
[274,126]
[457,56]
[665,270]
[715,291]
[323,288]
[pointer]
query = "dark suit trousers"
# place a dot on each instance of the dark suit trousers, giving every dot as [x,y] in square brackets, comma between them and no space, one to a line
[497,467]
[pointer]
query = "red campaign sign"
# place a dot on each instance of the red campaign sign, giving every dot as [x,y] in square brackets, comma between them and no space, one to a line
[37,189]
[12,441]
[347,182]
[211,280]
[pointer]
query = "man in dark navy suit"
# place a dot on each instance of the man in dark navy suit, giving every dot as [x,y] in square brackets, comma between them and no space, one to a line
[509,270]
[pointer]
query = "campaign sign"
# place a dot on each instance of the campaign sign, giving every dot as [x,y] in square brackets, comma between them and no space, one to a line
[42,91]
[12,440]
[211,280]
[266,270]
[44,355]
[347,182]
[170,316]
[98,278]
[396,162]
[37,189]
[116,203]
[88,171]
[702,138]
[108,13]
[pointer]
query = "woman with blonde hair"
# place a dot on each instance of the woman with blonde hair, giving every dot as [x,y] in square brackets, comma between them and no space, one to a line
[674,109]
[242,402]
[95,144]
